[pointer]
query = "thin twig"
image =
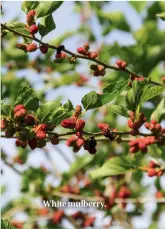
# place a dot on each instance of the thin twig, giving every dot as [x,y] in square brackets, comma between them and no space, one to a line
[11,166]
[68,161]
[46,153]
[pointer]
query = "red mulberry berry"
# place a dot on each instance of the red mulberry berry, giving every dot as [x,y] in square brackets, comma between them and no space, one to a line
[82,51]
[80,142]
[40,134]
[3,124]
[18,107]
[57,216]
[30,17]
[103,126]
[33,29]
[69,123]
[152,164]
[121,64]
[89,221]
[31,47]
[124,192]
[20,114]
[93,55]
[29,119]
[32,143]
[44,48]
[159,173]
[80,124]
[71,140]
[151,172]
[20,143]
[61,55]
[54,140]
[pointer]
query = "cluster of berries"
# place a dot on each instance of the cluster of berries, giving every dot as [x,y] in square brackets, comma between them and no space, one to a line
[57,216]
[32,47]
[31,24]
[34,134]
[106,131]
[135,122]
[75,142]
[98,70]
[82,181]
[70,189]
[59,53]
[85,220]
[33,29]
[74,122]
[134,77]
[154,169]
[123,193]
[141,144]
[154,127]
[121,64]
[84,50]
[17,224]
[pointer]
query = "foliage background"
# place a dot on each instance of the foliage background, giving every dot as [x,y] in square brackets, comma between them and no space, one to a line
[134,35]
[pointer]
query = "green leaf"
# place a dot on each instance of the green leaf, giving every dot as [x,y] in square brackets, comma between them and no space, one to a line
[159,112]
[151,92]
[162,16]
[68,106]
[94,100]
[46,110]
[111,20]
[115,166]
[47,7]
[54,112]
[19,27]
[154,151]
[134,94]
[108,97]
[130,100]
[79,164]
[64,112]
[120,110]
[6,225]
[116,86]
[26,97]
[91,100]
[5,110]
[46,25]
[138,5]
[29,5]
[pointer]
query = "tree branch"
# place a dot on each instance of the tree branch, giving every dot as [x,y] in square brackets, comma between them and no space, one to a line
[4,26]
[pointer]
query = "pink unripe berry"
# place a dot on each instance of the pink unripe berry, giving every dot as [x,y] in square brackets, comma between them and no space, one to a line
[31,47]
[93,55]
[33,29]
[18,107]
[80,123]
[103,126]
